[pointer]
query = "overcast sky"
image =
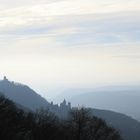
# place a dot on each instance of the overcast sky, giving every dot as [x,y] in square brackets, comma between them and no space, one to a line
[56,44]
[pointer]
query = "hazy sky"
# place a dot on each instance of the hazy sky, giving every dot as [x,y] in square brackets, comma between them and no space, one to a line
[52,44]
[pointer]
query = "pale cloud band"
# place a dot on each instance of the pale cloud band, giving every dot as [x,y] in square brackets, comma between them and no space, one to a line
[30,12]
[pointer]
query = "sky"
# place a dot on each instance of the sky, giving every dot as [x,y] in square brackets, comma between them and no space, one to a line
[52,45]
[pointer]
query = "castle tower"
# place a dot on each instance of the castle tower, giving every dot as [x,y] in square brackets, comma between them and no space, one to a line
[64,102]
[69,105]
[5,79]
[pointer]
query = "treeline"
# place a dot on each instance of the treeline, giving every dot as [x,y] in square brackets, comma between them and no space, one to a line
[16,124]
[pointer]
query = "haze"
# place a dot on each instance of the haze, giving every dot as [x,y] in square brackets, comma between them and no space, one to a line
[59,44]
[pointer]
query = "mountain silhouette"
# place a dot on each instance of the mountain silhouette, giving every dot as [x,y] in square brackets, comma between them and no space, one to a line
[27,98]
[22,94]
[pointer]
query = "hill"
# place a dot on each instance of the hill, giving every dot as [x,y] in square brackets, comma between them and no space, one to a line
[26,97]
[22,94]
[19,125]
[124,99]
[128,127]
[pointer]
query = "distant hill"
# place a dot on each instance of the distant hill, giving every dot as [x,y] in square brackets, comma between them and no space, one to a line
[28,98]
[22,94]
[124,99]
[128,127]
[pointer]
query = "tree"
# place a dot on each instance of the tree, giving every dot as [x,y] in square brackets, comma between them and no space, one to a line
[84,126]
[15,124]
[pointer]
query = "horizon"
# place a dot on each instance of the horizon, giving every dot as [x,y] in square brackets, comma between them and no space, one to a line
[55,94]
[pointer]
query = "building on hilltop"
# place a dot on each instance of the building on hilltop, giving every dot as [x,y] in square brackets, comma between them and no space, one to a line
[5,79]
[65,106]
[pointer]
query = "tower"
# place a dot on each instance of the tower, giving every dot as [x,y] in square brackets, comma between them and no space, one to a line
[69,105]
[5,79]
[63,104]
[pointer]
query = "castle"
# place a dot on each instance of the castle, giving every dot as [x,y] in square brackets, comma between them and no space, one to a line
[62,109]
[5,79]
[64,105]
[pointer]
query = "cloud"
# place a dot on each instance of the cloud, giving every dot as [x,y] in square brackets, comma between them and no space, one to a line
[129,56]
[92,28]
[85,17]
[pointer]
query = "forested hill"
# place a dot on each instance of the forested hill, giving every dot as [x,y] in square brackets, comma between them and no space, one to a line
[128,127]
[15,124]
[26,98]
[22,94]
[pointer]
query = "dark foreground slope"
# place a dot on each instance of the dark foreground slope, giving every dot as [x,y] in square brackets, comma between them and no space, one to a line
[15,124]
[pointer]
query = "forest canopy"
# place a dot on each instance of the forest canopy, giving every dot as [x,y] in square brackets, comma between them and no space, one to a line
[16,124]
